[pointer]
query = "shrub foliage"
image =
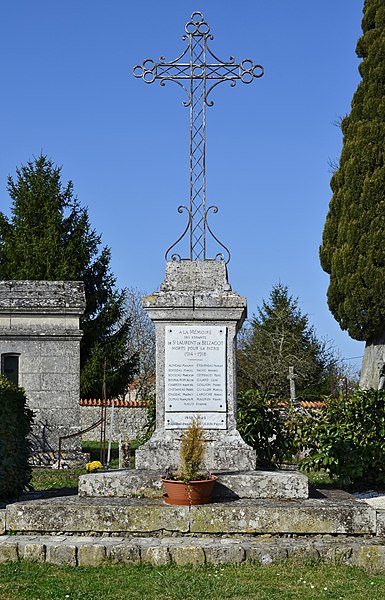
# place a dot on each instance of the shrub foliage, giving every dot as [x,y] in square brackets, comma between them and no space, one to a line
[264,426]
[192,451]
[347,439]
[15,425]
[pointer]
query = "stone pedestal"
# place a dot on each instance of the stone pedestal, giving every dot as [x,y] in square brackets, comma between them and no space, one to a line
[145,483]
[197,317]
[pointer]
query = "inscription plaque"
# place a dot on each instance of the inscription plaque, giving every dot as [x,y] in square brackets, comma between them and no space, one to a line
[208,420]
[195,376]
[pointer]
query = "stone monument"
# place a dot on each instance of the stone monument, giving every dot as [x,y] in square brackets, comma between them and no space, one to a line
[197,317]
[196,314]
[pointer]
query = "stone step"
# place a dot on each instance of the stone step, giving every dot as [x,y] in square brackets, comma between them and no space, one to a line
[132,516]
[239,484]
[96,551]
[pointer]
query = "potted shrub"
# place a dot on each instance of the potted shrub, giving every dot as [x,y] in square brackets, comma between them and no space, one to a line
[190,485]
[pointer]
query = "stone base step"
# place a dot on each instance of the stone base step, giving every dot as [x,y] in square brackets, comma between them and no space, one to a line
[239,484]
[96,551]
[142,517]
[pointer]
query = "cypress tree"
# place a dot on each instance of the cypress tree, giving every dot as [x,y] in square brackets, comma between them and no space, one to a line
[49,237]
[353,243]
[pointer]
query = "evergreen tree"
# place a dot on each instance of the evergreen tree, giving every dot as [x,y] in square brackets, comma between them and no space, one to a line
[49,237]
[353,244]
[280,337]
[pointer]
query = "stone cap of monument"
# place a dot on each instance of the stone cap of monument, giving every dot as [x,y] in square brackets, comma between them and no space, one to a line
[42,296]
[196,276]
[201,282]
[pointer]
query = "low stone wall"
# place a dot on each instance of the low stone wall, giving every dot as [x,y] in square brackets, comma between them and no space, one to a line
[96,551]
[92,531]
[129,422]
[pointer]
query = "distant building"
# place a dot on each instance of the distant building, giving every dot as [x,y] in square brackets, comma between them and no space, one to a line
[40,351]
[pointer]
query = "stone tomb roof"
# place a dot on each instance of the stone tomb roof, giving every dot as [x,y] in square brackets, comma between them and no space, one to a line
[42,296]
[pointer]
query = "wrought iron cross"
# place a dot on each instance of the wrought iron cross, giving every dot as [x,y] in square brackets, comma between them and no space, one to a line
[198,71]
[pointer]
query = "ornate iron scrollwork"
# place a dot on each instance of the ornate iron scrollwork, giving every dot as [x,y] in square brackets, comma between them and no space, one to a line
[198,71]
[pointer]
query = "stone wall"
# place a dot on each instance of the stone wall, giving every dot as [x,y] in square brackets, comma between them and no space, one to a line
[128,423]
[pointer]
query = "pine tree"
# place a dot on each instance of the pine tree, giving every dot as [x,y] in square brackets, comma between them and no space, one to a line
[280,337]
[353,244]
[49,237]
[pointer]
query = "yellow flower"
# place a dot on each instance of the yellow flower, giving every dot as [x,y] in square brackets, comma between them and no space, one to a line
[93,466]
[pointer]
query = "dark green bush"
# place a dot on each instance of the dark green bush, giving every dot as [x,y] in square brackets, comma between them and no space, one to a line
[266,427]
[15,425]
[347,438]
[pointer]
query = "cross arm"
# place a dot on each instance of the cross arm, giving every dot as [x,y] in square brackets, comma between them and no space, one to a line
[221,71]
[247,70]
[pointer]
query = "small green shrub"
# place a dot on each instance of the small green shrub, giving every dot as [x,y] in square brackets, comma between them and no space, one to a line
[192,451]
[15,425]
[346,439]
[264,426]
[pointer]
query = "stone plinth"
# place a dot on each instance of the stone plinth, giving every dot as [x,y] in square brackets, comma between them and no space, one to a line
[135,516]
[39,347]
[197,317]
[147,484]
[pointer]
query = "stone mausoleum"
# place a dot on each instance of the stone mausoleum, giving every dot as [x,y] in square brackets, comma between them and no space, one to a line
[40,351]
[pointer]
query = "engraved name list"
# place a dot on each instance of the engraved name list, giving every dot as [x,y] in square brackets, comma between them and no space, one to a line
[195,376]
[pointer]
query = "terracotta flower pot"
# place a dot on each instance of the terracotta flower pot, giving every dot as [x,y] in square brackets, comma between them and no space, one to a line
[188,494]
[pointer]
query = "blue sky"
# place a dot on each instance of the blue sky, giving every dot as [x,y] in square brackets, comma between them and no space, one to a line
[68,91]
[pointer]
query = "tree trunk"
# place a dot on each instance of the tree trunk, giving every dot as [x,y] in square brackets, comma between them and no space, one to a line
[373,364]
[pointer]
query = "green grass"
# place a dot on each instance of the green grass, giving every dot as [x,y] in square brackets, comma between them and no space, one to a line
[93,448]
[59,479]
[22,581]
[320,478]
[55,479]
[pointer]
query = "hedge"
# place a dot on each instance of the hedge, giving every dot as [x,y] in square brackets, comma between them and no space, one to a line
[15,426]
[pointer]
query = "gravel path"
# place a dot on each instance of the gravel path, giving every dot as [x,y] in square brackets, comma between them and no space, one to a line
[375,499]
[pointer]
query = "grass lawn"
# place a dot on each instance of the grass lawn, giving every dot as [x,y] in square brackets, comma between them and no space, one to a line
[56,479]
[22,581]
[59,479]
